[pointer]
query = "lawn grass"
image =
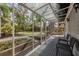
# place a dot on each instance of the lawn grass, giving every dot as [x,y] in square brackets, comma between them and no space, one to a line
[28,33]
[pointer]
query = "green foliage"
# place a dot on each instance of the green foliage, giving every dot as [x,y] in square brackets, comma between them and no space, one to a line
[5,9]
[5,45]
[22,22]
[7,28]
[8,44]
[37,23]
[38,18]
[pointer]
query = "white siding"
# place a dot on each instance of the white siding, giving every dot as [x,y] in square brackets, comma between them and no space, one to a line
[74,23]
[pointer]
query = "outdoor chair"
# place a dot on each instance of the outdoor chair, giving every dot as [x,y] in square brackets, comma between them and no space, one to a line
[65,47]
[64,40]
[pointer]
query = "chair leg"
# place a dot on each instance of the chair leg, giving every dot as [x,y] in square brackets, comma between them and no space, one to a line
[56,50]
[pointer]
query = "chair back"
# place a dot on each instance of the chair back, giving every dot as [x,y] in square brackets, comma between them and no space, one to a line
[72,41]
[68,36]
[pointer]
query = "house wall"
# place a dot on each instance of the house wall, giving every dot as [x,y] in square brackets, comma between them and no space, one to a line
[73,28]
[73,24]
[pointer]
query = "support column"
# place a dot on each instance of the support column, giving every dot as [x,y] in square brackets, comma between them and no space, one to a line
[45,32]
[48,30]
[68,13]
[13,31]
[66,28]
[1,14]
[32,30]
[41,30]
[0,27]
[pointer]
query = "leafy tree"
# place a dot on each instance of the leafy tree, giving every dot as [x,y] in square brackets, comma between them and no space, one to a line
[5,19]
[7,29]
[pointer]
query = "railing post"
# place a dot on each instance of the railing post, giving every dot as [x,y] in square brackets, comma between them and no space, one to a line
[41,30]
[65,28]
[1,14]
[32,30]
[13,30]
[0,27]
[45,32]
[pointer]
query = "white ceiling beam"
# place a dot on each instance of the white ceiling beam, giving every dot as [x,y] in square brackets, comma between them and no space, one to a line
[62,15]
[69,10]
[61,18]
[30,9]
[49,18]
[47,14]
[45,11]
[52,9]
[41,7]
[57,11]
[61,9]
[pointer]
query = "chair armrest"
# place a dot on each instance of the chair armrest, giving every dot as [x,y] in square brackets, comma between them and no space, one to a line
[63,40]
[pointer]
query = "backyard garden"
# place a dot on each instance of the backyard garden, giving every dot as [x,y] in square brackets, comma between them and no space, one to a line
[24,27]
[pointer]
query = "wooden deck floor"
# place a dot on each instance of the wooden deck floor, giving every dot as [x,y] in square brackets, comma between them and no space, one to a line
[49,49]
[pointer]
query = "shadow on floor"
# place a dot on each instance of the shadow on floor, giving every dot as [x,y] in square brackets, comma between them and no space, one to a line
[50,49]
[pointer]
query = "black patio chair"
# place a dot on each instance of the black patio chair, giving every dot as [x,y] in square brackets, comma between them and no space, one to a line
[64,40]
[65,47]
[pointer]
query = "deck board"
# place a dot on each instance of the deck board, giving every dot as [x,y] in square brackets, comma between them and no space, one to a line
[49,49]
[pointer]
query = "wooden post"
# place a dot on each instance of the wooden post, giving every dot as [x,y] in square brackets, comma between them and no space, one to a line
[1,14]
[13,31]
[32,30]
[0,27]
[41,30]
[68,13]
[45,32]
